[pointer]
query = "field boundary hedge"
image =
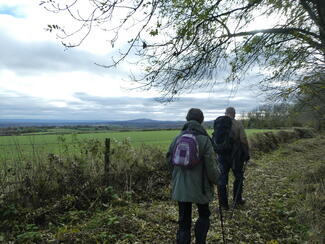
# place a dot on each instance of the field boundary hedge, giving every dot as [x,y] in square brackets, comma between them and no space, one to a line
[265,142]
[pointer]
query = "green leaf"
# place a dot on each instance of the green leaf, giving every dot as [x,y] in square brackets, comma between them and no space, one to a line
[153,32]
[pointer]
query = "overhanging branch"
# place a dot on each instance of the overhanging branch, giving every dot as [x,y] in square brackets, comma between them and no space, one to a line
[273,31]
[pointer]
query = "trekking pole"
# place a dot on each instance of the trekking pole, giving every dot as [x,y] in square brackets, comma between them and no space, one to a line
[238,189]
[221,218]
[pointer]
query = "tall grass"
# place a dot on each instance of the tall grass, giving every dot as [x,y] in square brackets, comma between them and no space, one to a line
[35,190]
[77,168]
[312,206]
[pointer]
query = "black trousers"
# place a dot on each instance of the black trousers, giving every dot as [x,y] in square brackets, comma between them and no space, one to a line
[185,221]
[225,166]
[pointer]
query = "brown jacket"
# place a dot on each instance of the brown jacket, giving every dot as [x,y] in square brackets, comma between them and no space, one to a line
[239,132]
[240,152]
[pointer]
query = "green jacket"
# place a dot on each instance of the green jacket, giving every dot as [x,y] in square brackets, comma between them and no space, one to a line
[188,184]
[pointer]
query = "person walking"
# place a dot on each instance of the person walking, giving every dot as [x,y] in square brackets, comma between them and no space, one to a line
[233,151]
[193,177]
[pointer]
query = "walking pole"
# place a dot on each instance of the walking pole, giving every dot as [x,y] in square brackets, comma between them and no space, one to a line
[221,218]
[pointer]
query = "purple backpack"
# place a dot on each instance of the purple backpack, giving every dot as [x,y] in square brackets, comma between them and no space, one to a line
[186,151]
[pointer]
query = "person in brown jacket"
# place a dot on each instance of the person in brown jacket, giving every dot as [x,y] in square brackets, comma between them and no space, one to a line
[233,159]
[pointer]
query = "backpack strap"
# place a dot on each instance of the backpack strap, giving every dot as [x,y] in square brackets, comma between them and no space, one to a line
[203,170]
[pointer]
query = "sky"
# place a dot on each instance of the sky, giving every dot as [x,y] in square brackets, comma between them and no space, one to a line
[40,79]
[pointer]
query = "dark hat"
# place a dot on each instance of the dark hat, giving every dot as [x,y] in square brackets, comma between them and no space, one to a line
[195,114]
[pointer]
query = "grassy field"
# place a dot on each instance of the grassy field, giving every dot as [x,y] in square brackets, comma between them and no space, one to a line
[158,137]
[25,146]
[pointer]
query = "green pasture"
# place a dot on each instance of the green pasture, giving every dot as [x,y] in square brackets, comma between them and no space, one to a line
[158,137]
[26,146]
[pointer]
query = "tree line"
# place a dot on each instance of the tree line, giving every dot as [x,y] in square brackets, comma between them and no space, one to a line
[285,115]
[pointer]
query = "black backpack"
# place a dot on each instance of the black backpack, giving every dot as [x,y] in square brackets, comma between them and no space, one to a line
[222,136]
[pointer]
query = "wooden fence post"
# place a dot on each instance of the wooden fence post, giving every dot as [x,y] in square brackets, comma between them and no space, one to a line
[107,159]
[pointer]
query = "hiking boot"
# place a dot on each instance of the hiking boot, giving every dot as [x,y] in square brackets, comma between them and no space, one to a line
[201,230]
[241,202]
[183,237]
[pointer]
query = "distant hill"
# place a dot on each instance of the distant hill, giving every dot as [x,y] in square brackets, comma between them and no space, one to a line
[148,123]
[130,124]
[137,123]
[42,122]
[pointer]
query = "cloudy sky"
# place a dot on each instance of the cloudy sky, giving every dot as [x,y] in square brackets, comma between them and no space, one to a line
[39,79]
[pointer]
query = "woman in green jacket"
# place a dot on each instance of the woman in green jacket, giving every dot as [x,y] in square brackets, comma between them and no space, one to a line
[194,185]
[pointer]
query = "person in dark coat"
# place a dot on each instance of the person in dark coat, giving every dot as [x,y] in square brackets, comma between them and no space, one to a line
[234,161]
[194,185]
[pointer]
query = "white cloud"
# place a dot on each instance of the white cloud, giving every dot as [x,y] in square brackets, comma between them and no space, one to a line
[39,79]
[87,107]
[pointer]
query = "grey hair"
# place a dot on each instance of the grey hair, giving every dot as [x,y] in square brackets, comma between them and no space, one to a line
[230,111]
